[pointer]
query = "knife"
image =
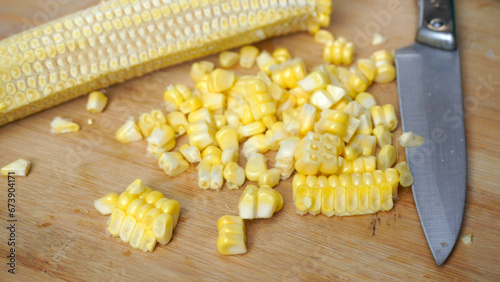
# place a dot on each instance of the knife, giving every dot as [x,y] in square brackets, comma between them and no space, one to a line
[430,98]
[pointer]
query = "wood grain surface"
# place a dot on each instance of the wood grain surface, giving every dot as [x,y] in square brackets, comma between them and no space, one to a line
[61,236]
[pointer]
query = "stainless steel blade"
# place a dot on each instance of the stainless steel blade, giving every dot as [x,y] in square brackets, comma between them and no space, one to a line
[430,97]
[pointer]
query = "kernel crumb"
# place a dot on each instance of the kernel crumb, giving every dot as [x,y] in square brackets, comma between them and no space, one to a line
[90,121]
[467,239]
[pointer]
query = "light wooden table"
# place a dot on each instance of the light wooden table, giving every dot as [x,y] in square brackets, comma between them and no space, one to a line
[61,236]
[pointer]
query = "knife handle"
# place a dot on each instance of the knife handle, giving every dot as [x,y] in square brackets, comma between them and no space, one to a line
[437,24]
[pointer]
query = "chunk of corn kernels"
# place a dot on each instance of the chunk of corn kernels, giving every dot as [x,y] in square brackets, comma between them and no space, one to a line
[231,239]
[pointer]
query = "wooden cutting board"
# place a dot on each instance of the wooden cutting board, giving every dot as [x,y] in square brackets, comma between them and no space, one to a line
[59,234]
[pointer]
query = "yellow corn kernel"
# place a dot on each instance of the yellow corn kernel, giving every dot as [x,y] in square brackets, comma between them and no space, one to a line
[386,72]
[247,205]
[248,55]
[285,161]
[265,61]
[204,170]
[252,129]
[134,207]
[137,235]
[234,175]
[352,151]
[288,73]
[148,241]
[383,55]
[136,187]
[338,52]
[410,139]
[190,105]
[190,153]
[383,135]
[106,204]
[162,137]
[405,176]
[227,59]
[163,228]
[302,200]
[149,218]
[366,100]
[384,115]
[220,121]
[360,165]
[229,155]
[333,181]
[178,122]
[386,157]
[128,132]
[97,102]
[201,114]
[277,93]
[127,227]
[367,68]
[201,68]
[325,99]
[365,126]
[270,120]
[115,221]
[215,102]
[172,163]
[125,199]
[231,239]
[216,177]
[172,208]
[323,36]
[275,135]
[281,55]
[314,81]
[211,152]
[220,80]
[146,192]
[357,82]
[256,164]
[153,197]
[368,144]
[147,123]
[175,95]
[269,202]
[298,180]
[62,125]
[19,167]
[142,211]
[200,134]
[227,138]
[255,144]
[270,177]
[307,115]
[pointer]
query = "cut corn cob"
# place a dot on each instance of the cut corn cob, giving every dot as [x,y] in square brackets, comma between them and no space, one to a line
[62,125]
[232,235]
[260,202]
[39,66]
[97,102]
[19,167]
[410,139]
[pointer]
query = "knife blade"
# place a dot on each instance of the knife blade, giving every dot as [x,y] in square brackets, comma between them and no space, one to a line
[431,104]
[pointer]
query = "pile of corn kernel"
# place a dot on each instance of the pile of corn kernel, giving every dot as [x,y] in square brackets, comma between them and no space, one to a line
[140,216]
[322,123]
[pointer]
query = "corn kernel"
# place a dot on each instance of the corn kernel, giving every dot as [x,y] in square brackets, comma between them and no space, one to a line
[270,177]
[410,139]
[178,122]
[366,100]
[383,135]
[125,199]
[149,218]
[19,167]
[234,175]
[227,59]
[163,228]
[127,227]
[281,55]
[213,101]
[201,68]
[154,197]
[172,163]
[115,221]
[190,153]
[190,105]
[252,129]
[386,157]
[259,202]
[135,187]
[134,207]
[137,235]
[106,204]
[405,176]
[220,80]
[285,161]
[265,61]
[148,241]
[256,164]
[323,36]
[61,125]
[255,144]
[227,138]
[248,55]
[128,132]
[172,208]
[367,143]
[96,102]
[314,81]
[275,135]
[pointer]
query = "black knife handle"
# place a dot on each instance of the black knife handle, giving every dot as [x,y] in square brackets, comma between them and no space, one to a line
[437,24]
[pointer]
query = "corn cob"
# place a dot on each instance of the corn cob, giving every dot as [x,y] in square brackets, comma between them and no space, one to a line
[68,57]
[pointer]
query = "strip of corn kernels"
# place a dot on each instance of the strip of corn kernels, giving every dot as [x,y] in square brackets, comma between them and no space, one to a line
[121,39]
